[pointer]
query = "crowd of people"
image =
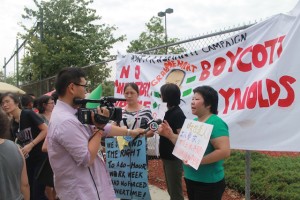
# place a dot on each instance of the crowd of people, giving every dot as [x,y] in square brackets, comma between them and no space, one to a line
[47,153]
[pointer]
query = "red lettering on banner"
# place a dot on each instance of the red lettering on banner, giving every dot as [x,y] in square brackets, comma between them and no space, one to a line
[137,72]
[124,103]
[205,70]
[144,87]
[244,67]
[253,95]
[273,90]
[125,71]
[233,57]
[246,59]
[172,64]
[219,66]
[119,86]
[286,82]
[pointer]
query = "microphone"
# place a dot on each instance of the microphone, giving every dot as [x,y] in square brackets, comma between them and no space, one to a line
[153,126]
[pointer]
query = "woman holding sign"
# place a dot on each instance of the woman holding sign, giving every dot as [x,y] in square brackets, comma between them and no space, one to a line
[207,182]
[134,115]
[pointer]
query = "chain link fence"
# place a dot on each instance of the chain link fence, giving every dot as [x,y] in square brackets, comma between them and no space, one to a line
[249,175]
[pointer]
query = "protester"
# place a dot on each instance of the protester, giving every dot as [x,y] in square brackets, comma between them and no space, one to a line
[13,175]
[54,96]
[170,94]
[27,101]
[29,130]
[78,166]
[207,182]
[45,105]
[134,115]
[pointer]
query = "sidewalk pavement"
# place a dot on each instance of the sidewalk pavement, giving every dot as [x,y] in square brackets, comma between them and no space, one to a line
[158,194]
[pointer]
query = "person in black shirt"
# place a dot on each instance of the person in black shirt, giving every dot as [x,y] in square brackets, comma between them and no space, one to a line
[29,130]
[170,94]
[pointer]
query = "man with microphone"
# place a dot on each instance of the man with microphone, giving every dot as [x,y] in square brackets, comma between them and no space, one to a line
[73,147]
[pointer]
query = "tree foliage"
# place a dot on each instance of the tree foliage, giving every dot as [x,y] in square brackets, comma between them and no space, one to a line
[67,33]
[154,36]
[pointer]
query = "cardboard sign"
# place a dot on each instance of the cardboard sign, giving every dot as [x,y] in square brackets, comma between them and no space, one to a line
[192,142]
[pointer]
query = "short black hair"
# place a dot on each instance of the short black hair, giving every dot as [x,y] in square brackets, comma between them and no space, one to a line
[13,96]
[54,96]
[41,101]
[170,94]
[67,76]
[210,96]
[26,99]
[31,94]
[133,85]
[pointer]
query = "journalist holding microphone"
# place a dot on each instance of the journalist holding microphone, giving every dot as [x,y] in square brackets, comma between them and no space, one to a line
[73,147]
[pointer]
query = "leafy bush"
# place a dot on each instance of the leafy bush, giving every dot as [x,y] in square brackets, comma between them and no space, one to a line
[271,177]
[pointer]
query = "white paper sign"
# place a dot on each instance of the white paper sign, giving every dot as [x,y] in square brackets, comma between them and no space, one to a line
[192,142]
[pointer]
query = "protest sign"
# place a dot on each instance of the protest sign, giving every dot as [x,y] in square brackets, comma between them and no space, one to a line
[128,168]
[192,142]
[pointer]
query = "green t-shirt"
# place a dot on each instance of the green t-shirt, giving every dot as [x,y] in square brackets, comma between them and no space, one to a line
[214,172]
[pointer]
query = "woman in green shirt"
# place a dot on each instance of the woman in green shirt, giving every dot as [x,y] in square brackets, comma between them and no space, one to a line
[207,182]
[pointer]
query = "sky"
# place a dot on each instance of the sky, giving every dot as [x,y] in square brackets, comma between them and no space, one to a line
[190,18]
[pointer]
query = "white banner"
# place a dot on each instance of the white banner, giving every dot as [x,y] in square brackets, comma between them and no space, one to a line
[255,72]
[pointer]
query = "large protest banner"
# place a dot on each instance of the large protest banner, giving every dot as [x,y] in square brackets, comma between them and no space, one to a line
[128,168]
[255,72]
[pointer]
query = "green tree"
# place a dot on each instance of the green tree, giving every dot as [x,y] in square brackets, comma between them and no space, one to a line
[154,36]
[108,88]
[1,76]
[67,33]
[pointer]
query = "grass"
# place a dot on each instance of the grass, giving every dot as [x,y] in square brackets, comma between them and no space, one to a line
[275,178]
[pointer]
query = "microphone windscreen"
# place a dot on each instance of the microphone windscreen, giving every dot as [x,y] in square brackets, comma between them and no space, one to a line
[158,121]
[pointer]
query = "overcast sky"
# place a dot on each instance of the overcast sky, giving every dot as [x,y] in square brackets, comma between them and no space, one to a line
[190,18]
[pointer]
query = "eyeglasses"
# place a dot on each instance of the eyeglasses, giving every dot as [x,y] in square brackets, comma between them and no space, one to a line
[85,86]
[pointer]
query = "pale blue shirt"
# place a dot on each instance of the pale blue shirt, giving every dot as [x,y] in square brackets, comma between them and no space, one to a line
[69,157]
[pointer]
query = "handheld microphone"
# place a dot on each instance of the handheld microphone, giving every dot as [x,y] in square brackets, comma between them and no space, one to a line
[153,125]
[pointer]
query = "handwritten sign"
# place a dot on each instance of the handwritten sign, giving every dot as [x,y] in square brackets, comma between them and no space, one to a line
[128,168]
[192,142]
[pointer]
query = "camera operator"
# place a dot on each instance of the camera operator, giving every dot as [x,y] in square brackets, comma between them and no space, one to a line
[73,147]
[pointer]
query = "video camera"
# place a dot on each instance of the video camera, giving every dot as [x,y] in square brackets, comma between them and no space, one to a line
[84,114]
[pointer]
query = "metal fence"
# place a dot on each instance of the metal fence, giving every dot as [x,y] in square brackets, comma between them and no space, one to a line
[242,188]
